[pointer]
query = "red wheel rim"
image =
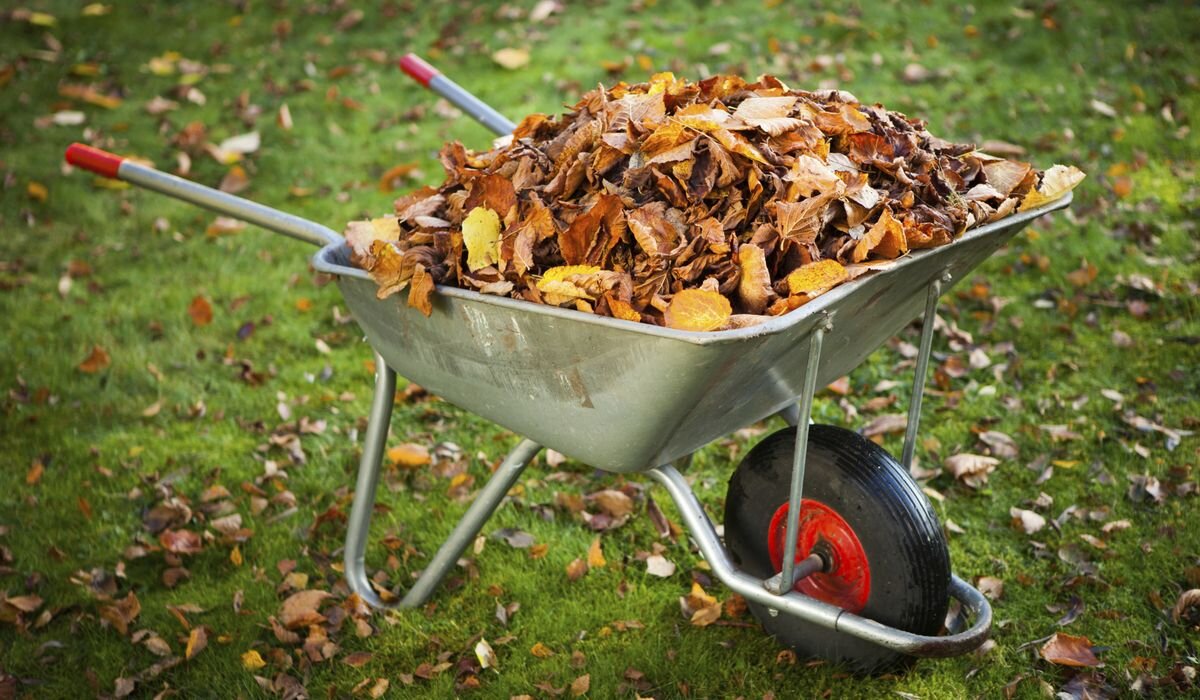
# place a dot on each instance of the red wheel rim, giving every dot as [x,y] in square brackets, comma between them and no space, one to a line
[847,584]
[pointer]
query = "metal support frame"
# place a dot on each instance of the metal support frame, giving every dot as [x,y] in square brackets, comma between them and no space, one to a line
[799,456]
[932,294]
[464,532]
[809,609]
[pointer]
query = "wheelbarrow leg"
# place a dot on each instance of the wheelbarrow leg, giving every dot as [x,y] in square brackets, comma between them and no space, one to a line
[932,294]
[364,502]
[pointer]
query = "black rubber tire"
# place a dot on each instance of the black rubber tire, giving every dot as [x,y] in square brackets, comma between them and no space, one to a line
[899,532]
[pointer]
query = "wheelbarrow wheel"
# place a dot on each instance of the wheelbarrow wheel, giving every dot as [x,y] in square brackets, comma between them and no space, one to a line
[885,552]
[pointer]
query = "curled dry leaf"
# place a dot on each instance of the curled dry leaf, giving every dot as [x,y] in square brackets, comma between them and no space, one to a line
[658,565]
[302,609]
[180,541]
[1026,520]
[971,469]
[1068,650]
[97,360]
[659,185]
[197,640]
[1187,609]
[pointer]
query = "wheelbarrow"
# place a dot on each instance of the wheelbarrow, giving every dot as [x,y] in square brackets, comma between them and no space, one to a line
[835,548]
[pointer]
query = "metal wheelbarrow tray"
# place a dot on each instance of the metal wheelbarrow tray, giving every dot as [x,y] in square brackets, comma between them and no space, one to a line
[630,397]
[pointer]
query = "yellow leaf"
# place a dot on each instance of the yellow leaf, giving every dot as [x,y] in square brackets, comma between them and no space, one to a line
[816,277]
[96,9]
[697,310]
[1056,183]
[37,191]
[511,59]
[563,271]
[595,558]
[236,556]
[481,236]
[252,660]
[41,19]
[541,651]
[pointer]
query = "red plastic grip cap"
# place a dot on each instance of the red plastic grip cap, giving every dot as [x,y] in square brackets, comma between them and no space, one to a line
[94,159]
[418,69]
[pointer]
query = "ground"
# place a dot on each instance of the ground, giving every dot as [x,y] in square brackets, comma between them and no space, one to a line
[164,371]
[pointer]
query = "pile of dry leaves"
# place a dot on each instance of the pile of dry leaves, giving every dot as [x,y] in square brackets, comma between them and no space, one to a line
[698,206]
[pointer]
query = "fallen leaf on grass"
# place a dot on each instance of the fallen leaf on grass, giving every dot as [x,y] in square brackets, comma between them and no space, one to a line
[510,58]
[122,613]
[302,609]
[991,587]
[252,660]
[595,557]
[357,659]
[581,685]
[180,541]
[614,503]
[487,655]
[200,311]
[1026,520]
[971,469]
[197,640]
[409,455]
[517,539]
[1000,444]
[1187,609]
[576,569]
[1068,650]
[96,361]
[658,565]
[541,651]
[699,607]
[232,149]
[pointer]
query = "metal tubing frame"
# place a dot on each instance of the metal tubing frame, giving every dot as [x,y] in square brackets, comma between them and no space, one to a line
[809,609]
[933,293]
[787,578]
[485,503]
[228,204]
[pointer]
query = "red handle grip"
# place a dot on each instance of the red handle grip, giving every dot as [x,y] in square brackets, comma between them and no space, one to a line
[418,69]
[94,159]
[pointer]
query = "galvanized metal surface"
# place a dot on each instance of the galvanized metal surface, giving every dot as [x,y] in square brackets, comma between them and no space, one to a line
[624,396]
[228,204]
[810,609]
[918,387]
[358,527]
[800,454]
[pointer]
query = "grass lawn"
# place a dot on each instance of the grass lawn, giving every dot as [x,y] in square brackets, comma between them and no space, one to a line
[126,411]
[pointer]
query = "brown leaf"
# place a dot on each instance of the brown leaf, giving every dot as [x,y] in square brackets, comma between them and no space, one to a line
[612,502]
[576,569]
[1026,520]
[581,685]
[96,361]
[197,640]
[357,659]
[1067,650]
[971,469]
[180,541]
[200,311]
[302,609]
[122,613]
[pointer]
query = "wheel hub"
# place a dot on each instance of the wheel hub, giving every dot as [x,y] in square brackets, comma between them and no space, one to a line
[846,579]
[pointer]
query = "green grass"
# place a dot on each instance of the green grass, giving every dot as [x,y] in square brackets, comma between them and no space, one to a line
[1024,74]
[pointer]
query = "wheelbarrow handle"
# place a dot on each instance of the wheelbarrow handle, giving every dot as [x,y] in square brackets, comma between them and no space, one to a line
[419,70]
[120,168]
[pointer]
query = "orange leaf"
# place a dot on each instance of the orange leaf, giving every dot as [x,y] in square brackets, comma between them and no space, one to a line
[576,569]
[754,288]
[180,541]
[420,290]
[817,277]
[200,311]
[885,239]
[1067,650]
[409,455]
[697,310]
[595,558]
[302,609]
[34,475]
[96,361]
[541,651]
